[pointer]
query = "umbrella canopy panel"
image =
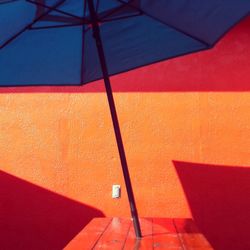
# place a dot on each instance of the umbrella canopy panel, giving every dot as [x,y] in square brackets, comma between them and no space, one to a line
[50,42]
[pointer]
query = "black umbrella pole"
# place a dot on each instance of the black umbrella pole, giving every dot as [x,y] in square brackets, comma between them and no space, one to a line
[97,36]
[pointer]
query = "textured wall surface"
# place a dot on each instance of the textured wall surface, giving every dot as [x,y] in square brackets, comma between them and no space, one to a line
[186,130]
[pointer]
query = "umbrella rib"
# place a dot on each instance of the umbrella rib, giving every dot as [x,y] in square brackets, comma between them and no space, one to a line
[120,18]
[170,25]
[113,11]
[108,13]
[56,26]
[54,9]
[61,19]
[30,24]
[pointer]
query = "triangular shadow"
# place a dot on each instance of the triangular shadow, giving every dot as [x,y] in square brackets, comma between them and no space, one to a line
[218,197]
[35,218]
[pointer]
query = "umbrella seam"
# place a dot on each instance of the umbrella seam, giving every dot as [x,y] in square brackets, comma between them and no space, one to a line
[171,26]
[30,24]
[54,9]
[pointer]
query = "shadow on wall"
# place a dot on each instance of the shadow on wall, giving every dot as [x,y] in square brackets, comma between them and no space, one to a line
[35,218]
[218,197]
[222,68]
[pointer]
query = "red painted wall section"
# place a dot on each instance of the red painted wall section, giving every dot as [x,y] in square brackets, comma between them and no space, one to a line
[186,130]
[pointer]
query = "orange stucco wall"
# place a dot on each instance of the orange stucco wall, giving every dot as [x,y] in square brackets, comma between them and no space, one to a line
[191,114]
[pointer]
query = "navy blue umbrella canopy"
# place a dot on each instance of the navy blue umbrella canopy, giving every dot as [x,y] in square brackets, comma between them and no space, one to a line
[50,42]
[73,42]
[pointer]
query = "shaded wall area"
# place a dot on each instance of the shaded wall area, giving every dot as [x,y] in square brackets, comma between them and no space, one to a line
[35,218]
[218,197]
[224,68]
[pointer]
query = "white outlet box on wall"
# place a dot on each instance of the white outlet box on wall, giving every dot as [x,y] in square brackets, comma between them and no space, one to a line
[116,191]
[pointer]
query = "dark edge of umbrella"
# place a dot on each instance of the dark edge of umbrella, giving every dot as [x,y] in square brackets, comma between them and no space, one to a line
[99,78]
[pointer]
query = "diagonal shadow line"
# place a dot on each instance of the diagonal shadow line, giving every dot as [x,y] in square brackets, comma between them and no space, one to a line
[35,218]
[218,197]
